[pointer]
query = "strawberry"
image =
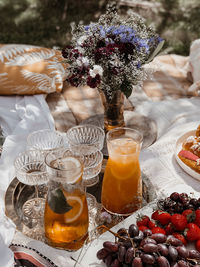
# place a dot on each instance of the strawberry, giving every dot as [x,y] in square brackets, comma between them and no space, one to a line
[169,229]
[180,237]
[143,220]
[189,214]
[192,232]
[155,214]
[151,224]
[142,228]
[179,221]
[188,155]
[197,245]
[197,219]
[157,230]
[163,217]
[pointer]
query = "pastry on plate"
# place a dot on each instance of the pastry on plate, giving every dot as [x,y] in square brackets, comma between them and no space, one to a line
[190,153]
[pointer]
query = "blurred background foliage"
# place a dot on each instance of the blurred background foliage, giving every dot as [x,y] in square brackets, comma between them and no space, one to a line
[47,22]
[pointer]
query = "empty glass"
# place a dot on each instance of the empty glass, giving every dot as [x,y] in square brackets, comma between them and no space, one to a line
[85,139]
[92,168]
[88,140]
[31,170]
[45,140]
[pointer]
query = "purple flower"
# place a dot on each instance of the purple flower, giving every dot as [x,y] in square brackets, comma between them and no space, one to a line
[74,80]
[93,82]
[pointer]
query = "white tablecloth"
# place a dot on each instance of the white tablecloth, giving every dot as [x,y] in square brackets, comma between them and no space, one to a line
[21,115]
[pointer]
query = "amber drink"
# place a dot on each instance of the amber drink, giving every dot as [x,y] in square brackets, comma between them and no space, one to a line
[122,185]
[66,211]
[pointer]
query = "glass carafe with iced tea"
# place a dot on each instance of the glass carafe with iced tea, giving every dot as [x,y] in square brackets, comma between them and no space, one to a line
[66,211]
[122,185]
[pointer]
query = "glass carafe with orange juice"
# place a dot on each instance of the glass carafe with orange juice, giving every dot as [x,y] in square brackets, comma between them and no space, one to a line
[122,185]
[66,211]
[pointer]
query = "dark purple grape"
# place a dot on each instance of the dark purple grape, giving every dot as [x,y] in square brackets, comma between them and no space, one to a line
[102,253]
[127,244]
[122,232]
[147,241]
[159,238]
[174,196]
[194,254]
[194,202]
[129,255]
[183,197]
[115,263]
[163,250]
[174,241]
[182,252]
[150,248]
[121,253]
[162,262]
[148,258]
[133,230]
[173,253]
[139,237]
[137,262]
[174,264]
[169,203]
[110,246]
[108,260]
[147,232]
[182,263]
[178,208]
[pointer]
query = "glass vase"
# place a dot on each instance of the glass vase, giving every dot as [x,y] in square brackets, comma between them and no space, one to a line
[113,103]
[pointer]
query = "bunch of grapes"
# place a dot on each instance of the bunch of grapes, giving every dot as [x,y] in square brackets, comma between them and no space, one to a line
[135,248]
[177,203]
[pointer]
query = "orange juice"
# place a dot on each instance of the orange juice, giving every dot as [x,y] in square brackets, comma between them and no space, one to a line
[122,189]
[68,230]
[66,212]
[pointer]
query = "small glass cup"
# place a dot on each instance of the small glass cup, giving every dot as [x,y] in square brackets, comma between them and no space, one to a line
[85,139]
[66,212]
[31,170]
[45,140]
[122,185]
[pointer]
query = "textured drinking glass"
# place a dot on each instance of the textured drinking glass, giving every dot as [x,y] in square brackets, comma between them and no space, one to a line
[66,211]
[122,185]
[31,170]
[92,168]
[45,140]
[85,139]
[88,140]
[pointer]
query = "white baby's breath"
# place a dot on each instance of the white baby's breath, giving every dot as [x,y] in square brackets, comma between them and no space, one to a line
[96,70]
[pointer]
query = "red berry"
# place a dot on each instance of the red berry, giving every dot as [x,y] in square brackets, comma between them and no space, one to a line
[159,230]
[197,245]
[155,214]
[197,219]
[180,237]
[189,214]
[163,217]
[169,229]
[142,228]
[179,221]
[151,224]
[192,232]
[143,220]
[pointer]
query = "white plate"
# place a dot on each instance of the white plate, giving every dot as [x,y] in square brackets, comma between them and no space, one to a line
[179,143]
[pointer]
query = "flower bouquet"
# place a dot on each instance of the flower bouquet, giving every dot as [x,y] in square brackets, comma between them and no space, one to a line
[110,55]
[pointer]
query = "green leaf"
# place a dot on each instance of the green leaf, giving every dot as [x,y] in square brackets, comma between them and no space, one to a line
[156,51]
[57,201]
[126,88]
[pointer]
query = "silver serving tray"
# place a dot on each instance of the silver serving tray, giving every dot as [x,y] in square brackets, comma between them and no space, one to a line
[18,193]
